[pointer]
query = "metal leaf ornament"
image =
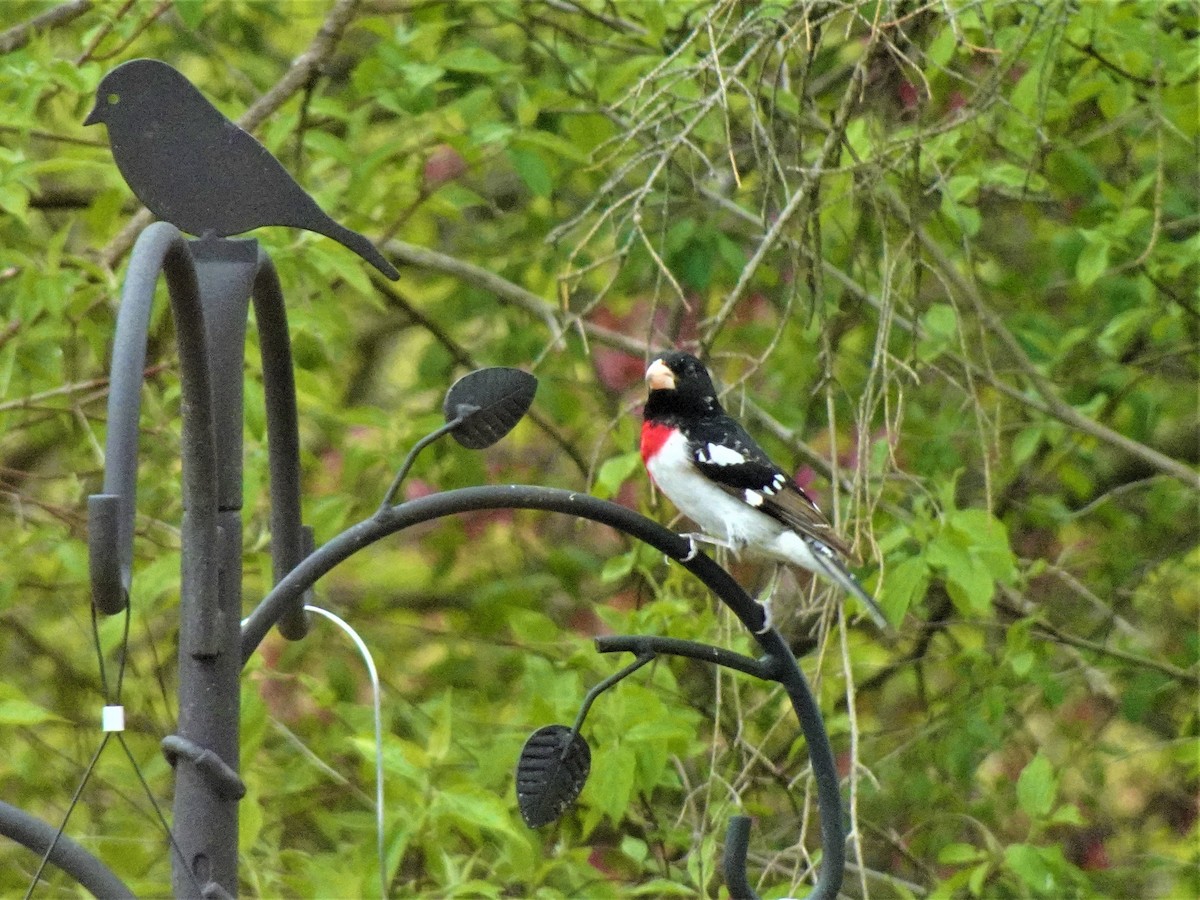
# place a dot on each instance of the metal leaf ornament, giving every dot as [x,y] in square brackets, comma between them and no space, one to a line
[552,770]
[490,402]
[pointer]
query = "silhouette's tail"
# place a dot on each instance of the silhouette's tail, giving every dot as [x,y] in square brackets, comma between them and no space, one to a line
[352,240]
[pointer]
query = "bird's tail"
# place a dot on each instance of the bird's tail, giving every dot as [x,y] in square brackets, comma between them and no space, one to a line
[833,569]
[359,244]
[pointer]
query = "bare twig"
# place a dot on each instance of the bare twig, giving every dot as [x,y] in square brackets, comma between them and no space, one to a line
[19,35]
[506,291]
[1185,676]
[1059,407]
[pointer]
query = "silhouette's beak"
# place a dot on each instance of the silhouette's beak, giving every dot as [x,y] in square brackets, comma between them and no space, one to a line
[94,117]
[659,377]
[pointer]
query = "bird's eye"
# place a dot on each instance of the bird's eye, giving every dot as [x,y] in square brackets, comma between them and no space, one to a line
[113,99]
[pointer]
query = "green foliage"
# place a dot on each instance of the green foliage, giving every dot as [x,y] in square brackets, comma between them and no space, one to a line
[944,260]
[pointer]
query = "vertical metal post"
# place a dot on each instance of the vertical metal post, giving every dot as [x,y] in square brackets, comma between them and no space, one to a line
[205,748]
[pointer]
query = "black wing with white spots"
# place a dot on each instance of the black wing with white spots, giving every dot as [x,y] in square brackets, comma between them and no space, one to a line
[726,455]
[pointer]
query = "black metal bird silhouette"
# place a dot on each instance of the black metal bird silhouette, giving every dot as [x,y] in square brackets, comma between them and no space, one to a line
[194,168]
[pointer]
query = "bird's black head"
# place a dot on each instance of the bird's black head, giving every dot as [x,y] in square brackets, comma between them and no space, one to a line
[680,385]
[136,90]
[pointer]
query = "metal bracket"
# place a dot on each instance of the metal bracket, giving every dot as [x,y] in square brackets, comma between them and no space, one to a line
[224,781]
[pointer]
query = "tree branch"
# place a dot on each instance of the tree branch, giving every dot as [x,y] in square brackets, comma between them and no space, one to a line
[505,290]
[1050,404]
[1058,407]
[800,204]
[19,35]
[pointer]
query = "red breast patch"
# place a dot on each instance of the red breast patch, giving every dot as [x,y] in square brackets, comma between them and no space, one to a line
[654,435]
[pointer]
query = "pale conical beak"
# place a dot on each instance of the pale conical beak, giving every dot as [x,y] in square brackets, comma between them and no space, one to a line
[659,377]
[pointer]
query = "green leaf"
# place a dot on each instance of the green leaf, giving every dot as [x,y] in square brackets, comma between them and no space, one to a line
[970,586]
[635,848]
[1021,662]
[419,76]
[968,581]
[614,472]
[618,567]
[986,538]
[1028,863]
[1067,814]
[1036,787]
[14,200]
[942,48]
[1093,260]
[533,170]
[903,584]
[940,322]
[610,786]
[190,12]
[1016,177]
[25,712]
[473,59]
[552,143]
[962,187]
[979,875]
[1025,443]
[250,822]
[659,887]
[939,326]
[957,854]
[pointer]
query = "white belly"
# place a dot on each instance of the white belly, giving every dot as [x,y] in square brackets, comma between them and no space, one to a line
[721,515]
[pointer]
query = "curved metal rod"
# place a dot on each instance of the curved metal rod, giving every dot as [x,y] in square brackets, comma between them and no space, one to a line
[590,698]
[777,665]
[160,248]
[643,644]
[405,466]
[733,861]
[290,540]
[515,496]
[35,835]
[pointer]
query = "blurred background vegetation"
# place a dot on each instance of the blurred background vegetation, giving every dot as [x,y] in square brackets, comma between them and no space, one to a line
[942,256]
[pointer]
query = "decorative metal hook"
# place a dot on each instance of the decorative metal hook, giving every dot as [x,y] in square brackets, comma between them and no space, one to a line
[778,664]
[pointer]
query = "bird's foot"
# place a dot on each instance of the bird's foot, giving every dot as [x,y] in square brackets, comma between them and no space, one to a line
[693,549]
[768,619]
[764,601]
[701,538]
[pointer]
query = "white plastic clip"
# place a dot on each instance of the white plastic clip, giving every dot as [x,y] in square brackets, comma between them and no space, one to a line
[112,718]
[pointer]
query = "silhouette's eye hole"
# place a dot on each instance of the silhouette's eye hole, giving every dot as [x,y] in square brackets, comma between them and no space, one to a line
[113,99]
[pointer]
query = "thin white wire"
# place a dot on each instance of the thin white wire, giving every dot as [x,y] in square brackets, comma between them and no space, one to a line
[375,696]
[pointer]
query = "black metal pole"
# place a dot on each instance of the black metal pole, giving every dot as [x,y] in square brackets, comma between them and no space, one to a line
[205,749]
[162,250]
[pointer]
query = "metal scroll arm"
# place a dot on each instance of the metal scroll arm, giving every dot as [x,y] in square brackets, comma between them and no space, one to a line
[733,863]
[40,837]
[778,663]
[291,541]
[160,248]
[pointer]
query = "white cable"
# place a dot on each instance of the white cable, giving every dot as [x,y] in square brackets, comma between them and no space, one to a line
[375,696]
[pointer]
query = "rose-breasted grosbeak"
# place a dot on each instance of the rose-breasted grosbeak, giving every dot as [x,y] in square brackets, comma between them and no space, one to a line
[710,468]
